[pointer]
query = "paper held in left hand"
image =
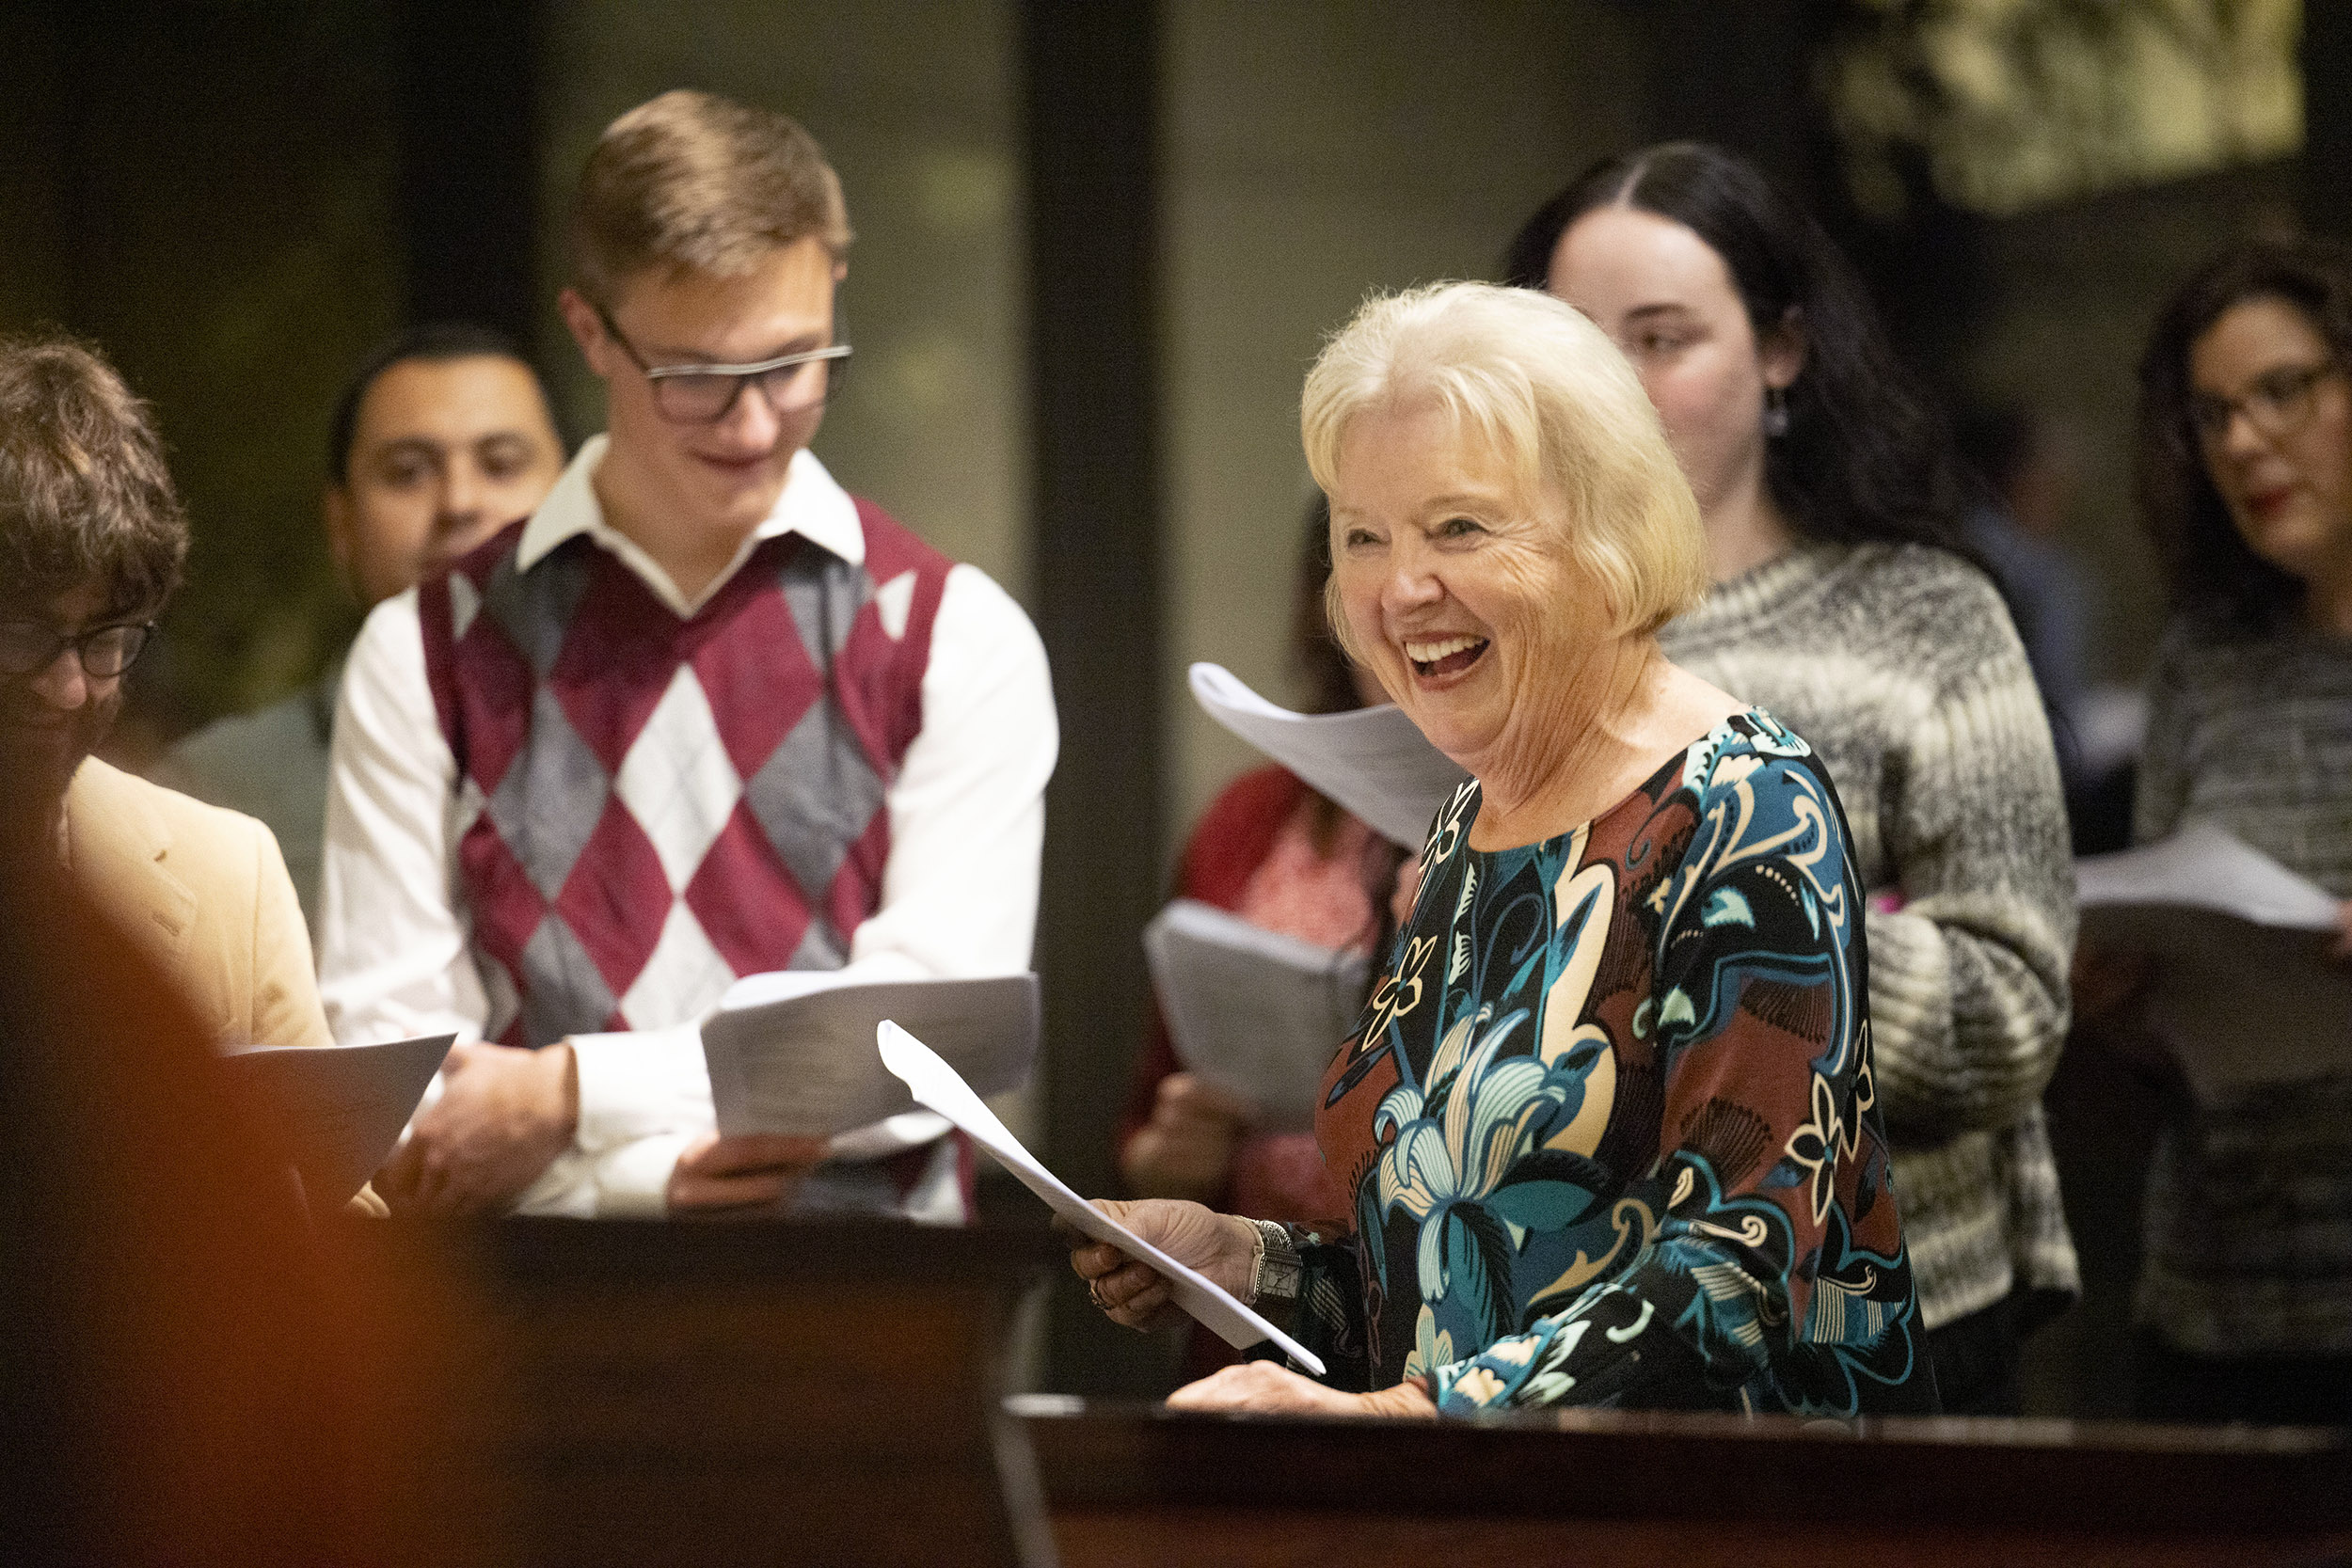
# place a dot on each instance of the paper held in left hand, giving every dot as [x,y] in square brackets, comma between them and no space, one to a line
[934,1084]
[787,1052]
[342,1106]
[2247,993]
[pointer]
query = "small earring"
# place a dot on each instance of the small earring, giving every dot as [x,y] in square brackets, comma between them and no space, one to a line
[1775,413]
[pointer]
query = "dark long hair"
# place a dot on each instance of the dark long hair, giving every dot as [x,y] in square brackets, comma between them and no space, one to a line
[1315,652]
[1867,455]
[2208,566]
[1331,689]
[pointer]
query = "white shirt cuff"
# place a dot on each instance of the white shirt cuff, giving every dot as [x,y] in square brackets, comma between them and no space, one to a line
[638,1083]
[634,1180]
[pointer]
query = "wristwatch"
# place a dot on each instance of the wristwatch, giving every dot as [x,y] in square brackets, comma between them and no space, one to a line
[1276,1270]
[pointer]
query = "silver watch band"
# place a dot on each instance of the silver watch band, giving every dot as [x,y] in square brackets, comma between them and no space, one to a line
[1275,1273]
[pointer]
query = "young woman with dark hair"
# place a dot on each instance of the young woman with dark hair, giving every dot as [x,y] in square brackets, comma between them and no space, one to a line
[2246,484]
[1847,604]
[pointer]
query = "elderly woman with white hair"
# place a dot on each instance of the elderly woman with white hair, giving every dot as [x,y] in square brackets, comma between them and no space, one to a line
[1607,1123]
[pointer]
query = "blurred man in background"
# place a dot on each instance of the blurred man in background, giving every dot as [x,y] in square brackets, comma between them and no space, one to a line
[443,437]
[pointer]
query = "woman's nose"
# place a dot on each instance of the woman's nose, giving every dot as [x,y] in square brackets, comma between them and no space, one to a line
[1412,579]
[2242,437]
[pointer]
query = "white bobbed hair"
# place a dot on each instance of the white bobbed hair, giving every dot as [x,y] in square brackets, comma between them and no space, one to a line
[1547,392]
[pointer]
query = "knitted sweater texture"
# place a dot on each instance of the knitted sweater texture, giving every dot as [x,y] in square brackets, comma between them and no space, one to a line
[2248,1226]
[1899,666]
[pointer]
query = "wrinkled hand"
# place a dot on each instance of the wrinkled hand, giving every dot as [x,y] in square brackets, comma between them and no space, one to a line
[753,1170]
[1266,1388]
[1136,1294]
[1186,1149]
[504,1115]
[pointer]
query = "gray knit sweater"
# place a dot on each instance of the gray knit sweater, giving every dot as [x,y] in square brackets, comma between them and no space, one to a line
[1899,666]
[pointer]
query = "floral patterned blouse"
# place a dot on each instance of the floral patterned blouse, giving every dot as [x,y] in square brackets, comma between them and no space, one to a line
[1607,1125]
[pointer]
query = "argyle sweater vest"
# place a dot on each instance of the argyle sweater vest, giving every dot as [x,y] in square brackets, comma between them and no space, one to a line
[650,807]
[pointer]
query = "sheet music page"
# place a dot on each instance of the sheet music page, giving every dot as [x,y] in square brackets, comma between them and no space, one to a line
[934,1084]
[2244,991]
[791,1053]
[1254,1011]
[2206,868]
[343,1106]
[1372,761]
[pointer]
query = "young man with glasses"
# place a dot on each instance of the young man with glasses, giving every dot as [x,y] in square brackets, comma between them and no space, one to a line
[703,714]
[91,543]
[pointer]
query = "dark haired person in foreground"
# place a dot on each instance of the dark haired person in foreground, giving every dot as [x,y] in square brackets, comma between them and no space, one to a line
[704,715]
[91,542]
[441,438]
[1607,1130]
[1845,603]
[2246,479]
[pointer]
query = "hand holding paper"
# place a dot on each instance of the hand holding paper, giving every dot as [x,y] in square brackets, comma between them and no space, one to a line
[342,1106]
[1257,1013]
[935,1085]
[787,1052]
[2245,989]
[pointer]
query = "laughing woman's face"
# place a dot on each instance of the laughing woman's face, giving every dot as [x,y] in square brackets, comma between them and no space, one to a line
[1455,588]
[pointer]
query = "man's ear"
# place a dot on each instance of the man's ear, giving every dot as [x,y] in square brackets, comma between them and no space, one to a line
[1780,353]
[587,328]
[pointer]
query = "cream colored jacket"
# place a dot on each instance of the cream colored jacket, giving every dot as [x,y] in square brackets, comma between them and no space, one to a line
[204,893]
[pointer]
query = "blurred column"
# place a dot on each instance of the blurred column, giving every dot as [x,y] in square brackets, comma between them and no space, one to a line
[2326,60]
[467,175]
[1091,137]
[1742,75]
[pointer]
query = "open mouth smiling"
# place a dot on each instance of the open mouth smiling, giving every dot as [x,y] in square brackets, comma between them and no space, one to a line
[1445,655]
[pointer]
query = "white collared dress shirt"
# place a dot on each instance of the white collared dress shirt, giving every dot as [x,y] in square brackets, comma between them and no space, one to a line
[958,900]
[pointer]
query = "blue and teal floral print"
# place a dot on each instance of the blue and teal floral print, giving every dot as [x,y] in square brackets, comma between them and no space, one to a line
[1609,1123]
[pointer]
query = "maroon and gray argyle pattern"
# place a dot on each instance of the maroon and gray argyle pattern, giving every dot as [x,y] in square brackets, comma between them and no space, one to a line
[650,807]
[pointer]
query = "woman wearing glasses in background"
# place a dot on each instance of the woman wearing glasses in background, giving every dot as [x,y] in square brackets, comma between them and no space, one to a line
[2246,478]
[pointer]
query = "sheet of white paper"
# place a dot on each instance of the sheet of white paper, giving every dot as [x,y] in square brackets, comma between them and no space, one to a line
[1251,1010]
[343,1106]
[934,1084]
[2244,993]
[2204,867]
[789,1052]
[1372,761]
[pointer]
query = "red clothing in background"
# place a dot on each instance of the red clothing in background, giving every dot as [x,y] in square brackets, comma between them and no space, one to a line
[1253,852]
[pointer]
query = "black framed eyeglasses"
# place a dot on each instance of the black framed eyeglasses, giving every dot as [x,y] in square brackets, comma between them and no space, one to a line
[28,647]
[705,394]
[2276,405]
